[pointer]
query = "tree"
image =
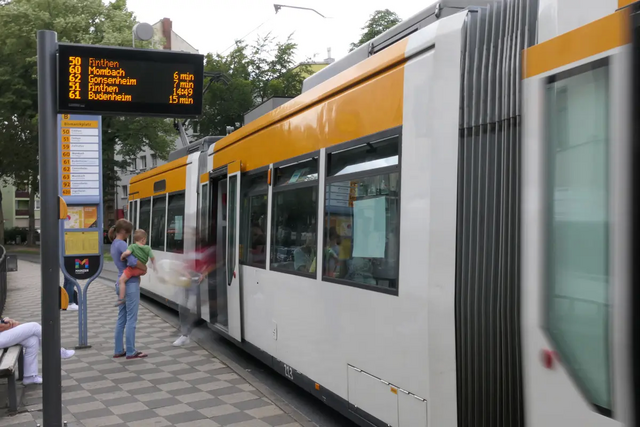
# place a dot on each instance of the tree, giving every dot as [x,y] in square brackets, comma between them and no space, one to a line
[257,72]
[224,104]
[127,136]
[75,21]
[273,70]
[1,219]
[379,22]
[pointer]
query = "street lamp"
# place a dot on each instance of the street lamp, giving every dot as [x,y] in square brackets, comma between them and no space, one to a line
[277,7]
[142,31]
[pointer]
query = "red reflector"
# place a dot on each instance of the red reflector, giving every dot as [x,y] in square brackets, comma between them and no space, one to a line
[547,358]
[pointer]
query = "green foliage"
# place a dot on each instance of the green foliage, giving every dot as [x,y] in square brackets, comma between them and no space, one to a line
[75,21]
[223,104]
[127,136]
[257,72]
[11,235]
[379,22]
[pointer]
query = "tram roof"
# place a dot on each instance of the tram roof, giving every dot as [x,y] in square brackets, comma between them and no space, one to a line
[398,32]
[380,54]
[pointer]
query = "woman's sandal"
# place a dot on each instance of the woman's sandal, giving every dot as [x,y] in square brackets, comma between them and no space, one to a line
[123,354]
[137,355]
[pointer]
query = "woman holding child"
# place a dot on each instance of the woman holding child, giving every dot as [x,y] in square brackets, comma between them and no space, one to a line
[128,309]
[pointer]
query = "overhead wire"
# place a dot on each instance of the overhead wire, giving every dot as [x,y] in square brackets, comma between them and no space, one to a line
[235,42]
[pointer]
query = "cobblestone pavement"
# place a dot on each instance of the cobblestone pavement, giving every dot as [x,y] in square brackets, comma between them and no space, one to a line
[172,387]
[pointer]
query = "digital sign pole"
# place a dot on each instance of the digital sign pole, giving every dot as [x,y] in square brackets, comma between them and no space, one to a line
[50,270]
[85,83]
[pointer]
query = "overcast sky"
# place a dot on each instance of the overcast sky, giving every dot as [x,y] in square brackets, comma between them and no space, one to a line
[213,25]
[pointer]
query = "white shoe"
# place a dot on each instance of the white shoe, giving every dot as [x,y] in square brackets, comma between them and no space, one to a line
[72,307]
[66,354]
[36,379]
[183,340]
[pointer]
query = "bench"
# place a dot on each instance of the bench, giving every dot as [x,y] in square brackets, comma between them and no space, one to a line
[10,358]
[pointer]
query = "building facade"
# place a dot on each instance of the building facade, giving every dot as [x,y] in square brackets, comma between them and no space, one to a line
[15,208]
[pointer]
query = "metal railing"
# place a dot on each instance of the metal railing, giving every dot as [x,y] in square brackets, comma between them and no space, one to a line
[3,278]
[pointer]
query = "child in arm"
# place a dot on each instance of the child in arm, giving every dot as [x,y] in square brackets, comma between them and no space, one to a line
[143,253]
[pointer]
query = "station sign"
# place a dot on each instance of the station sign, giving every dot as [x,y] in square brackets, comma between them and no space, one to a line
[123,81]
[80,148]
[80,187]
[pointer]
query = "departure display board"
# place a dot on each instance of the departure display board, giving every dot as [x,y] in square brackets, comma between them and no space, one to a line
[122,81]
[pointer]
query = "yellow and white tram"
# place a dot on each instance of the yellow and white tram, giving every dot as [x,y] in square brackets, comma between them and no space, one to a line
[439,231]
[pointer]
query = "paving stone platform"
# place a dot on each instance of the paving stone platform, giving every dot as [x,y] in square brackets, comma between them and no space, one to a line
[172,387]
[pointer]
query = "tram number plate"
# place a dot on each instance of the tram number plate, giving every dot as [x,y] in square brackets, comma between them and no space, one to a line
[288,372]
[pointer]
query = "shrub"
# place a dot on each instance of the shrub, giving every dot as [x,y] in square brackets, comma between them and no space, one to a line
[11,235]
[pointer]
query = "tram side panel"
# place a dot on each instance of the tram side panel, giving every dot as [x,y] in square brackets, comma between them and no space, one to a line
[309,314]
[169,217]
[325,329]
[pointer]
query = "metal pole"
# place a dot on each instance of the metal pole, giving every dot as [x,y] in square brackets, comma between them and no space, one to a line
[49,249]
[183,135]
[85,318]
[80,316]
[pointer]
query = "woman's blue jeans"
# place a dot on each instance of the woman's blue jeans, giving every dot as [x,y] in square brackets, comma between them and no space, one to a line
[127,319]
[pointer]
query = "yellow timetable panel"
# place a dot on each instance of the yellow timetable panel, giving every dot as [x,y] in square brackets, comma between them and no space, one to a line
[81,242]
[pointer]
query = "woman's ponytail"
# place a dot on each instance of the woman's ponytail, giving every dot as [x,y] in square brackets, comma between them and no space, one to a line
[122,225]
[112,233]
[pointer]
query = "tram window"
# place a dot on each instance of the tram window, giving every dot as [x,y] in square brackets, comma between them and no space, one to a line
[361,231]
[253,214]
[294,174]
[145,215]
[175,223]
[577,235]
[365,157]
[158,214]
[294,218]
[159,186]
[362,216]
[205,236]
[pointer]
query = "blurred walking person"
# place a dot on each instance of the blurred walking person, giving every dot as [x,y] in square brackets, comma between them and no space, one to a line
[198,264]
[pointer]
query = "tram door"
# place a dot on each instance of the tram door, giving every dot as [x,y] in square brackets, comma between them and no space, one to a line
[575,249]
[218,239]
[133,214]
[233,272]
[224,292]
[205,242]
